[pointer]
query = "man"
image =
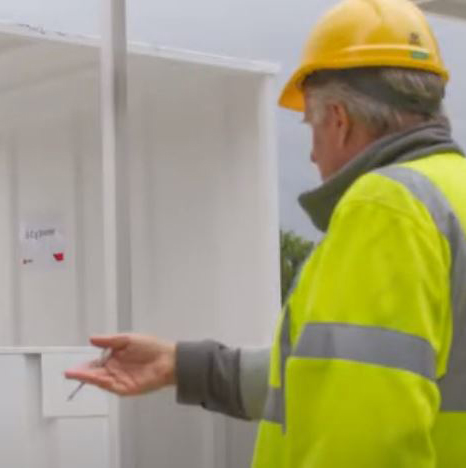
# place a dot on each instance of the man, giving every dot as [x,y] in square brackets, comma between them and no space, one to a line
[368,368]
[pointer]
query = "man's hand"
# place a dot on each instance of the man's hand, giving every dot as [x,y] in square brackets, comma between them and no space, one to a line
[137,364]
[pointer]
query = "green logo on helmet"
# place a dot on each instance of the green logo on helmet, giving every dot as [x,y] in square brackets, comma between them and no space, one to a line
[420,55]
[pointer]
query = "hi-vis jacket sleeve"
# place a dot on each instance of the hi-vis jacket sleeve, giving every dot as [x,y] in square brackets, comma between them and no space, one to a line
[371,327]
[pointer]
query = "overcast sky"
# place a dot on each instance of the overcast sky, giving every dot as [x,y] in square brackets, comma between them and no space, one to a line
[272,30]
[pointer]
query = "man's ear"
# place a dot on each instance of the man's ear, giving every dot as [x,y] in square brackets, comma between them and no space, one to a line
[342,123]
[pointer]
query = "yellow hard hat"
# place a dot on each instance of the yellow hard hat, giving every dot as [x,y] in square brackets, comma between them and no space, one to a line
[366,33]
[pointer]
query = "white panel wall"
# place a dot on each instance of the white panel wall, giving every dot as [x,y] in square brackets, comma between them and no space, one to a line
[204,266]
[51,168]
[45,193]
[203,221]
[201,210]
[29,438]
[7,276]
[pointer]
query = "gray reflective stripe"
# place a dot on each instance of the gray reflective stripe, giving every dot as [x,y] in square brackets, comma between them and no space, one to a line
[253,380]
[285,352]
[275,402]
[369,345]
[285,343]
[453,384]
[274,406]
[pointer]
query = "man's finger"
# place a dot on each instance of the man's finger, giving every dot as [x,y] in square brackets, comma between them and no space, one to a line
[101,381]
[110,341]
[87,375]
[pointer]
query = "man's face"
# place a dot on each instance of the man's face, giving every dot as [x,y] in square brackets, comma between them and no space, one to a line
[325,149]
[335,139]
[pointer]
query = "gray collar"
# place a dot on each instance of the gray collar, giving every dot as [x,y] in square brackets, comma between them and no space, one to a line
[416,143]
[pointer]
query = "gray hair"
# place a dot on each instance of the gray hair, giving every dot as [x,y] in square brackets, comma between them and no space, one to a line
[384,99]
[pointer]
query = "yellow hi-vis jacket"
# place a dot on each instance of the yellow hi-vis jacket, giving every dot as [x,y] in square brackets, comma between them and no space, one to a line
[368,368]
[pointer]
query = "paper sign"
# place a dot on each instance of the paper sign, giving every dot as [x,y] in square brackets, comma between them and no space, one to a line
[43,245]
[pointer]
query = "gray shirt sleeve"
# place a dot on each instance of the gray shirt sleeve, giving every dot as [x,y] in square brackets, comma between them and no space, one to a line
[227,380]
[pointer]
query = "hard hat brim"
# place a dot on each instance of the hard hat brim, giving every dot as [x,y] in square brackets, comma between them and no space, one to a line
[292,96]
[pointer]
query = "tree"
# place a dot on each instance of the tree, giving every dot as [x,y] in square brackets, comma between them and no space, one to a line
[293,251]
